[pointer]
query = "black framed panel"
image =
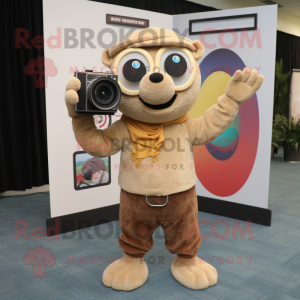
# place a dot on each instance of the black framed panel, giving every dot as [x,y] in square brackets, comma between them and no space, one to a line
[81,220]
[191,22]
[243,212]
[87,186]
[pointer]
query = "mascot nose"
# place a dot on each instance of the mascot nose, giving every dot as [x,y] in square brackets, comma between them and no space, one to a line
[156,77]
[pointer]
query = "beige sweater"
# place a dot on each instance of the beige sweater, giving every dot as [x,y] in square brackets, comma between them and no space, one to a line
[175,171]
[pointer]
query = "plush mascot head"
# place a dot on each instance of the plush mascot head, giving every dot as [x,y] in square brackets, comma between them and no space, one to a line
[158,74]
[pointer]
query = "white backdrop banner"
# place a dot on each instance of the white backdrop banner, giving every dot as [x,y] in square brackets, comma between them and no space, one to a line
[76,34]
[295,94]
[236,166]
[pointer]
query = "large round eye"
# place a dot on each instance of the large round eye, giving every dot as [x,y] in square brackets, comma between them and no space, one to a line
[178,65]
[175,65]
[134,70]
[131,69]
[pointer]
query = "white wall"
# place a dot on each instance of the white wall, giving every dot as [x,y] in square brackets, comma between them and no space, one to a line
[255,189]
[285,22]
[78,15]
[288,23]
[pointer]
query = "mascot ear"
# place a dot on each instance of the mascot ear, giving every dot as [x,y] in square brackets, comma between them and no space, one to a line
[199,52]
[105,58]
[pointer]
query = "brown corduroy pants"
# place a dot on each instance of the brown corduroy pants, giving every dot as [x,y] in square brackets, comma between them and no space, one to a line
[179,220]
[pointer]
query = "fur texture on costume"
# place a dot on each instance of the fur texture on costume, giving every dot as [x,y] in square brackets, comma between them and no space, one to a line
[158,100]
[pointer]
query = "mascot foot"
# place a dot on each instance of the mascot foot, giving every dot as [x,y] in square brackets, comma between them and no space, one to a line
[194,273]
[126,274]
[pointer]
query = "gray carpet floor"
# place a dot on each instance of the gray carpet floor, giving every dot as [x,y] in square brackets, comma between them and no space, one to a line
[262,263]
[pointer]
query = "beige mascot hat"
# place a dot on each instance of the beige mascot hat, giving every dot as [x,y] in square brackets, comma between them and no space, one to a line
[153,37]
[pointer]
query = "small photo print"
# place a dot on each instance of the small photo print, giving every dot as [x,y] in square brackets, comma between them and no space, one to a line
[90,171]
[102,121]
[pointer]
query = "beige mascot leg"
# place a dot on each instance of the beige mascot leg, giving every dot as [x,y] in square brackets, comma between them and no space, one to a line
[138,224]
[194,273]
[126,274]
[182,237]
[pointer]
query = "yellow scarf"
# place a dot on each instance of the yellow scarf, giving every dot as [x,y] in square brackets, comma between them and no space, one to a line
[147,138]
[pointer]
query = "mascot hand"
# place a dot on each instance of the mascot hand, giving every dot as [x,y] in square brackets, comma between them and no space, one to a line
[243,84]
[71,96]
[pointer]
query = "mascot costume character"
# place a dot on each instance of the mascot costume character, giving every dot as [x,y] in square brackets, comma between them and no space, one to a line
[160,81]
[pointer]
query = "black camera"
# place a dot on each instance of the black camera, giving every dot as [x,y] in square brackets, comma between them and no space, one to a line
[99,93]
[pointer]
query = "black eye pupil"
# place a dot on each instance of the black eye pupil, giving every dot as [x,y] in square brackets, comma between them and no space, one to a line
[134,70]
[175,65]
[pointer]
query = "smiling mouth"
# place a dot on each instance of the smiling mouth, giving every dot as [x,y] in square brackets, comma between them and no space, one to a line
[160,106]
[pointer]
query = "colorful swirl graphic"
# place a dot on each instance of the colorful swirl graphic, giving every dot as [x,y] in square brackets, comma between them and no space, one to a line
[224,165]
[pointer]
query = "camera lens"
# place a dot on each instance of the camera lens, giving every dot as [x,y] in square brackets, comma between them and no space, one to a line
[104,93]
